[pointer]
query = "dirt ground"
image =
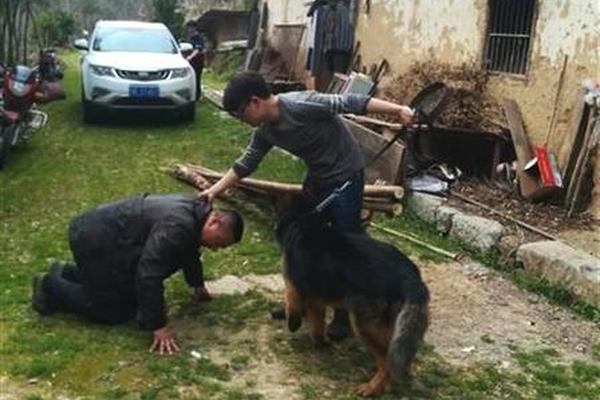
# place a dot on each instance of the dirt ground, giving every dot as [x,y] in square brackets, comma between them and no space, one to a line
[470,301]
[476,317]
[580,230]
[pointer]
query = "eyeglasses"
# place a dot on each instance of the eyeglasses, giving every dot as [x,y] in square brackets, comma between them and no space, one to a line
[239,113]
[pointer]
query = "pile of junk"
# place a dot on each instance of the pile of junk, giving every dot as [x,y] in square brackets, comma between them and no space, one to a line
[467,145]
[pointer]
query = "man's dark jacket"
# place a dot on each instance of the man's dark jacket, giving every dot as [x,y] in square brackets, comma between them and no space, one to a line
[126,249]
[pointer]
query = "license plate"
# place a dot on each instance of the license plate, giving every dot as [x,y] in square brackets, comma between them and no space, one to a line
[143,91]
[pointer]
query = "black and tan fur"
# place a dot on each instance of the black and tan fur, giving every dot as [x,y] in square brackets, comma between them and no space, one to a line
[379,286]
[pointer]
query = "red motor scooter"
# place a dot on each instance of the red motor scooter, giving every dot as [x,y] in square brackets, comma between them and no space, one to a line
[19,116]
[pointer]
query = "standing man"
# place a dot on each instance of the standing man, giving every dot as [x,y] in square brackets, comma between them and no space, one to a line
[308,125]
[123,253]
[196,57]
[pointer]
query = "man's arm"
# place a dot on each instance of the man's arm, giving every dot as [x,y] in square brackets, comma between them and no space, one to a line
[161,252]
[243,166]
[352,103]
[192,55]
[193,273]
[378,106]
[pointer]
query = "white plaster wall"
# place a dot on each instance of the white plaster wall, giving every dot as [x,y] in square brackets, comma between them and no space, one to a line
[422,27]
[568,27]
[287,12]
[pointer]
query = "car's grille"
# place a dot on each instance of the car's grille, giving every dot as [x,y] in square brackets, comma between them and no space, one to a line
[136,101]
[143,75]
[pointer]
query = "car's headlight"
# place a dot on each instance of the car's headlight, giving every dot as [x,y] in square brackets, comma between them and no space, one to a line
[180,72]
[101,71]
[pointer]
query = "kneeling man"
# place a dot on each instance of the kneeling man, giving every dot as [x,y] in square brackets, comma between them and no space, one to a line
[123,253]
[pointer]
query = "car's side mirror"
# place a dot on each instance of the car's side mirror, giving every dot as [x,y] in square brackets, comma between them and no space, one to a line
[185,46]
[81,44]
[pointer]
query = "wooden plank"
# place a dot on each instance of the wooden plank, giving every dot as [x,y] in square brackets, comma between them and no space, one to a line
[571,144]
[213,95]
[389,166]
[581,167]
[527,183]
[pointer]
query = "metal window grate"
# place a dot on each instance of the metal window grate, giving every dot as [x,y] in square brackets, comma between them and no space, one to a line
[509,35]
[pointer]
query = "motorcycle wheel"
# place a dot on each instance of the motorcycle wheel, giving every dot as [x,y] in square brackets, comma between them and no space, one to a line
[6,138]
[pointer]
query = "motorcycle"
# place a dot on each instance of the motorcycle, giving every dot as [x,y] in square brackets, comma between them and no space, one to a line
[19,116]
[49,66]
[50,71]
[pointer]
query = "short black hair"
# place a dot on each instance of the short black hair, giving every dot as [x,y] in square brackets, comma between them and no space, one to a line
[242,87]
[235,223]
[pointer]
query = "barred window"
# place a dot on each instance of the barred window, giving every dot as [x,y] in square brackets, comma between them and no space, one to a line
[509,35]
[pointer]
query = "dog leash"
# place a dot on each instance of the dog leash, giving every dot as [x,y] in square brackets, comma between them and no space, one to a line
[323,204]
[426,106]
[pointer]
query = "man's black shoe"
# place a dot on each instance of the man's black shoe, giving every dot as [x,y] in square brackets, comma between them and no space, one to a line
[39,298]
[55,268]
[339,329]
[278,313]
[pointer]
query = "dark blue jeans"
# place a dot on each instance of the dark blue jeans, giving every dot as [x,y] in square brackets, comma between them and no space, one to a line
[67,293]
[344,212]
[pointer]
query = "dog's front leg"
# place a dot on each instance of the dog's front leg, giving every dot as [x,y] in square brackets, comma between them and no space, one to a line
[293,306]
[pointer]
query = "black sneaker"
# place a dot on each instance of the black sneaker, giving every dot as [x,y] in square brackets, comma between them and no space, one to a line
[339,329]
[55,268]
[39,297]
[278,313]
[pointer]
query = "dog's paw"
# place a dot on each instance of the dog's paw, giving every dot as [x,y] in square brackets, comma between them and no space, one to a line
[321,344]
[294,322]
[368,390]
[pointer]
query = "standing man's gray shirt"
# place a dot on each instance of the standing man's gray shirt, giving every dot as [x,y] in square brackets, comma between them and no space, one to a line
[310,128]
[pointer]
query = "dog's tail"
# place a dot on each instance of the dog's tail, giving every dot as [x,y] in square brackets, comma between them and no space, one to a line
[410,326]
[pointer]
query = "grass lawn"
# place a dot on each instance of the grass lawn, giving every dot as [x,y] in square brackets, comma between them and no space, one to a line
[69,167]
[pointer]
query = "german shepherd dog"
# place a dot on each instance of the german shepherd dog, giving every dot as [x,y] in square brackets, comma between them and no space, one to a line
[380,287]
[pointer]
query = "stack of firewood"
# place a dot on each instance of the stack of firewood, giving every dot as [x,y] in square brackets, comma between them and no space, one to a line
[383,198]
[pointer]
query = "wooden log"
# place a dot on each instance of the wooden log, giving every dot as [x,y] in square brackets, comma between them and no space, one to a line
[184,174]
[392,209]
[391,191]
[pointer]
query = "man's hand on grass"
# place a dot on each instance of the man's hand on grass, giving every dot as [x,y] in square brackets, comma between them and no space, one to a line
[165,342]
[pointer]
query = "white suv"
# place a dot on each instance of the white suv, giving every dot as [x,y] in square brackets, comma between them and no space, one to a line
[135,65]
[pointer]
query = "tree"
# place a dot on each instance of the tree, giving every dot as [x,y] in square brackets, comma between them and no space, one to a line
[54,27]
[169,13]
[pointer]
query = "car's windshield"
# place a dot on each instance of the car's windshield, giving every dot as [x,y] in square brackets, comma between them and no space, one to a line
[133,39]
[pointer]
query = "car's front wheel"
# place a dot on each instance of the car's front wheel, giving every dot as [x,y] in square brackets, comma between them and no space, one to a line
[90,112]
[188,113]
